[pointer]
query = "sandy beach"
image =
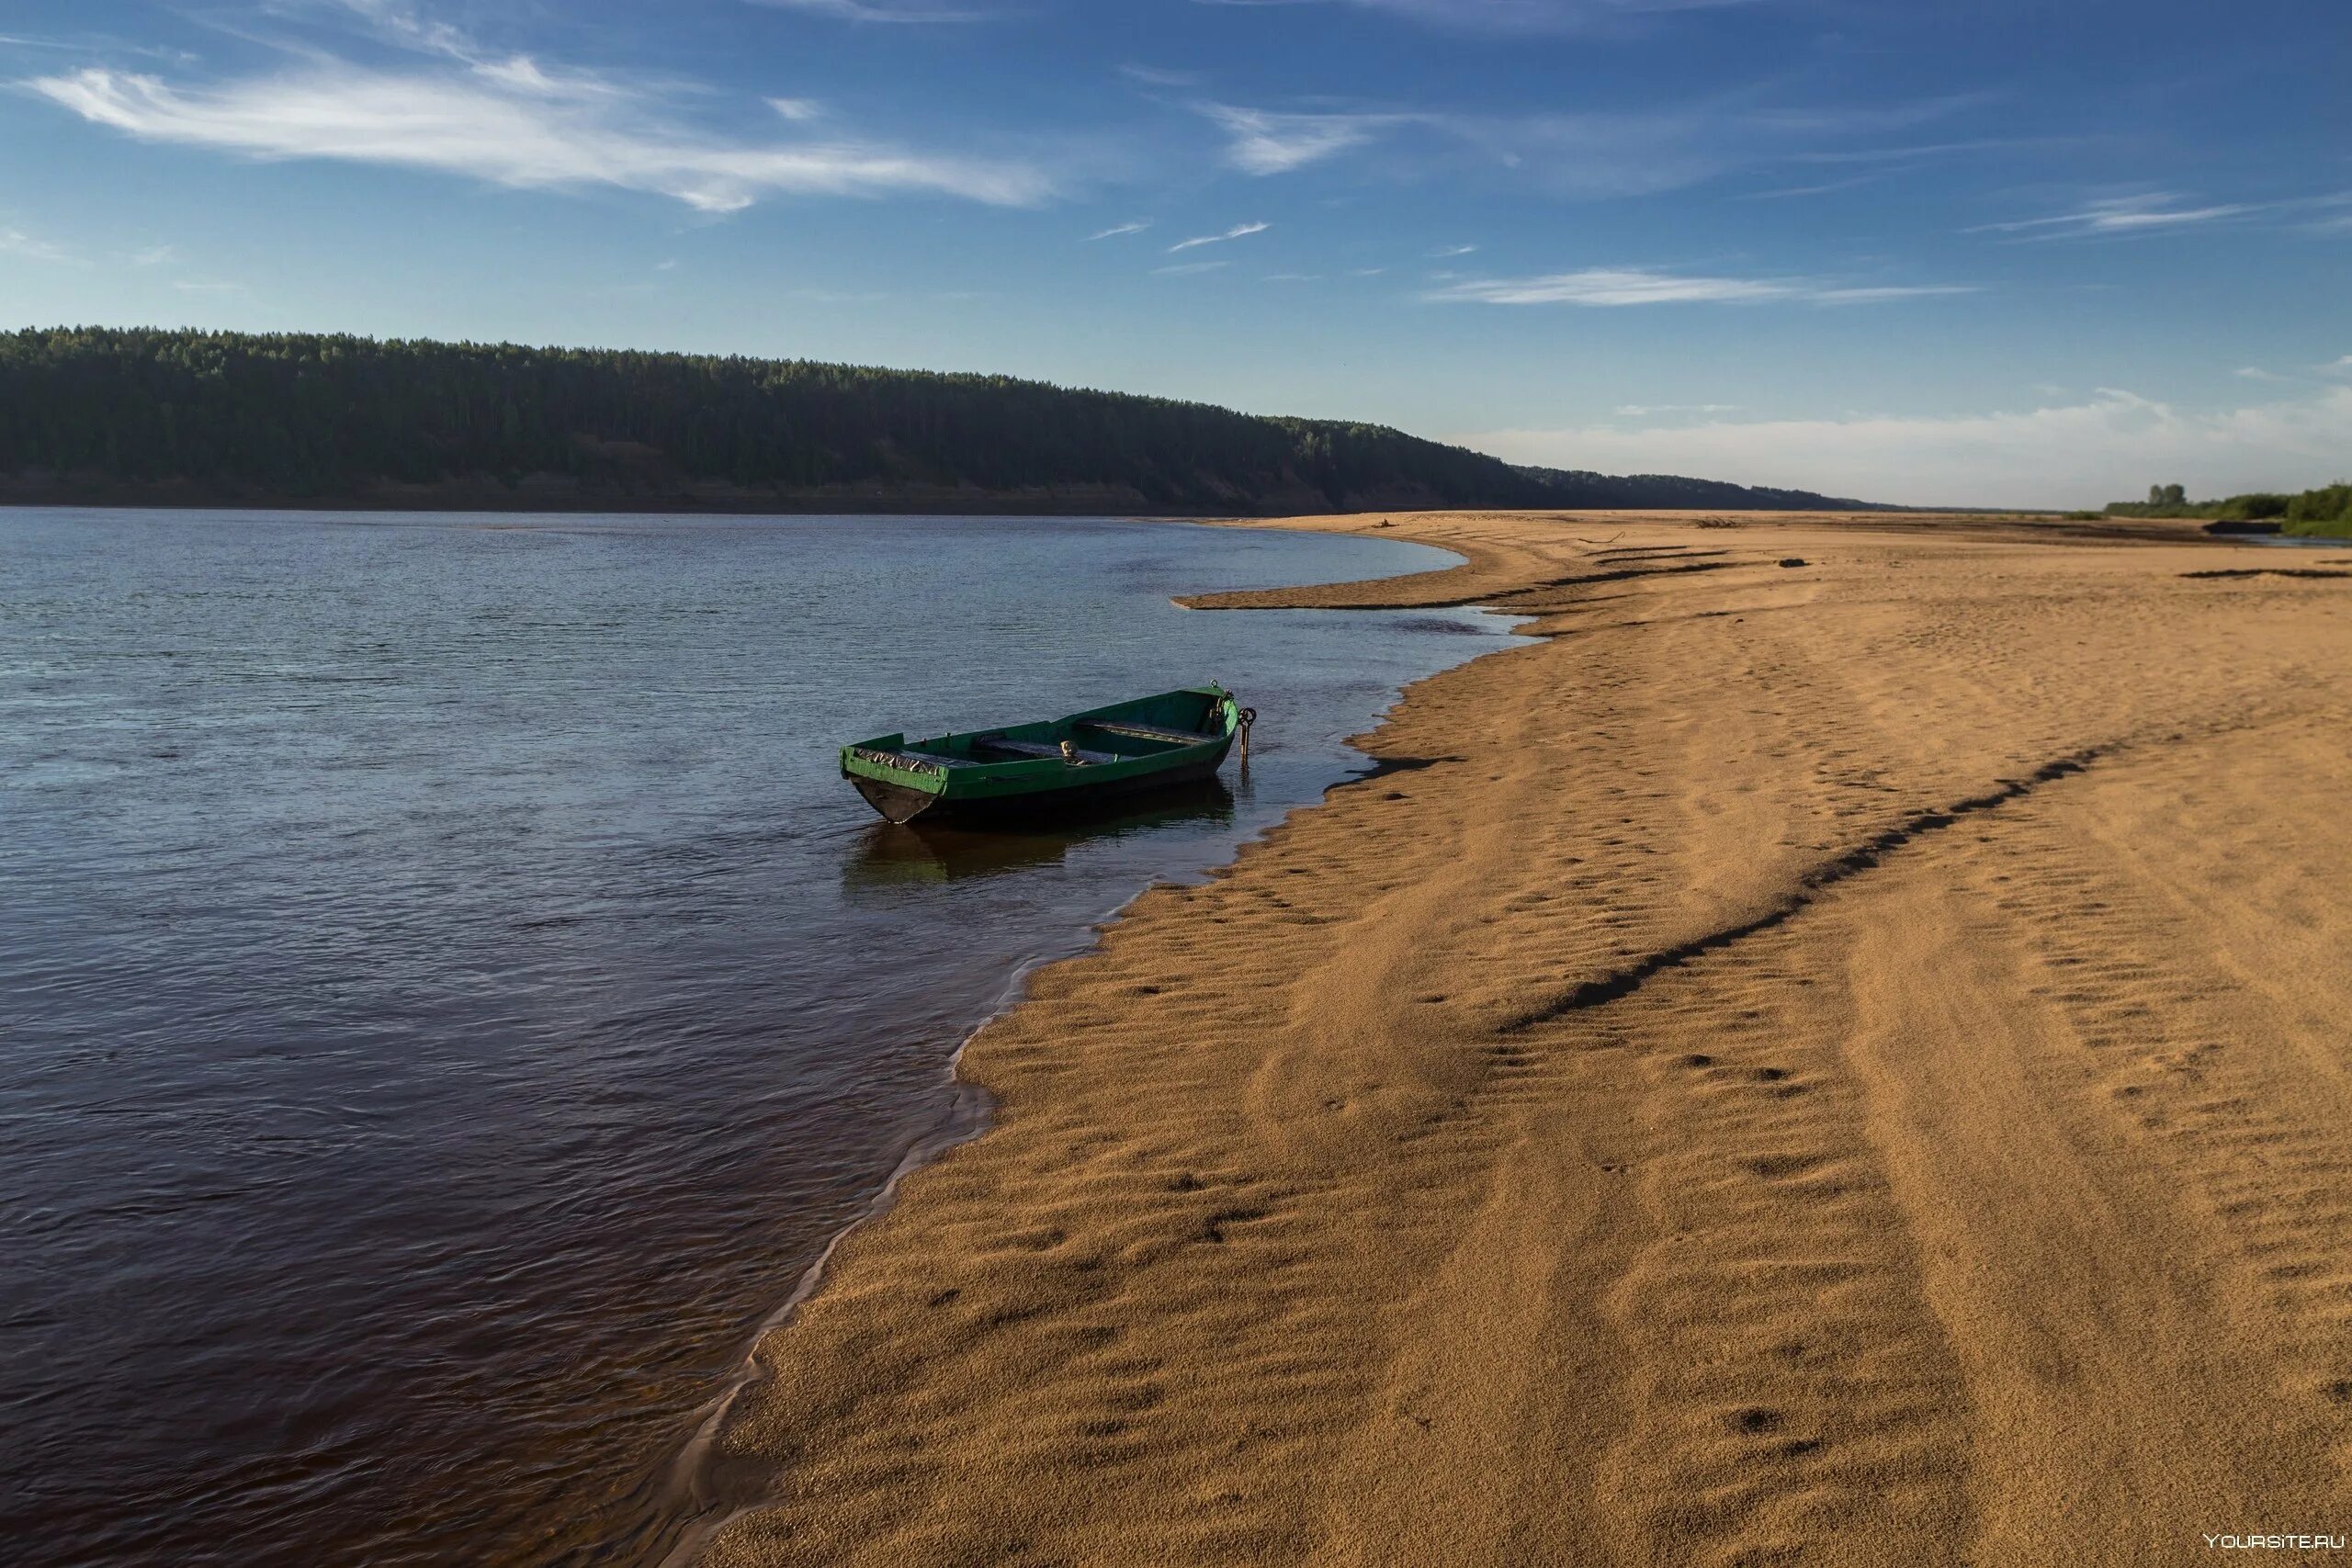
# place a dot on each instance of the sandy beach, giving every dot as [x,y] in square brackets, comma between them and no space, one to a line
[1833,1052]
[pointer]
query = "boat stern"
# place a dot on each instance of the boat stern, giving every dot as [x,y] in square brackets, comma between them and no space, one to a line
[898,783]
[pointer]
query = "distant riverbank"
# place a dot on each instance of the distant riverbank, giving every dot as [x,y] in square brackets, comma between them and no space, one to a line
[144,417]
[563,493]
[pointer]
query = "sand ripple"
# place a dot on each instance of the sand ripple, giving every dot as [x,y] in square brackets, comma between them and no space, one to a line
[1830,1062]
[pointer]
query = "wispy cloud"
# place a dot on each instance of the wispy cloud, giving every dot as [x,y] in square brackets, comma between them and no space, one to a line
[1595,154]
[1137,227]
[1612,287]
[1155,77]
[2147,213]
[1642,411]
[1237,231]
[797,110]
[2327,214]
[404,23]
[1261,141]
[1883,293]
[877,10]
[1784,193]
[1617,287]
[1511,16]
[1182,269]
[16,242]
[2062,454]
[513,126]
[1448,252]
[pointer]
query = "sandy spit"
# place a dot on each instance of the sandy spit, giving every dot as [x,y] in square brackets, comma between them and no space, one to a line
[1841,1052]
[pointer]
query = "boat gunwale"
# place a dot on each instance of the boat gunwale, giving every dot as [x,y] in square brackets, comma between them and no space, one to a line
[944,767]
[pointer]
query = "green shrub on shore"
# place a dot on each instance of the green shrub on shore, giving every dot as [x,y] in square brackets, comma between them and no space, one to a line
[2324,513]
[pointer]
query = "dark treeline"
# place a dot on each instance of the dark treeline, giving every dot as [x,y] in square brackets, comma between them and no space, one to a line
[136,415]
[330,416]
[1667,492]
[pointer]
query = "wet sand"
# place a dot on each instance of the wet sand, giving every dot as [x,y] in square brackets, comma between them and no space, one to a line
[1838,1063]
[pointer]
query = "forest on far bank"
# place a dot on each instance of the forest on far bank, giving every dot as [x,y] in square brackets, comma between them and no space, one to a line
[139,415]
[301,414]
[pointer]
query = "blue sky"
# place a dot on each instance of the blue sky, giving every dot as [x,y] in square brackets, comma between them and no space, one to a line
[1989,253]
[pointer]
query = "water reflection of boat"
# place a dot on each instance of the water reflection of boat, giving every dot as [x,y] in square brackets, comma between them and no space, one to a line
[890,854]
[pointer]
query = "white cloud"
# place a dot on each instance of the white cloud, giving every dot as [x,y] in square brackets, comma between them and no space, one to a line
[1235,232]
[521,75]
[2147,213]
[1534,15]
[1589,155]
[875,11]
[1113,233]
[1639,411]
[403,23]
[1155,77]
[1873,295]
[1783,193]
[1511,16]
[154,255]
[1571,154]
[516,128]
[1613,287]
[1449,251]
[2109,447]
[1182,269]
[797,110]
[1261,142]
[16,242]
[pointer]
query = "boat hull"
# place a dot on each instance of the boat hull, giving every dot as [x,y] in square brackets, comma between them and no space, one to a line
[896,803]
[1051,768]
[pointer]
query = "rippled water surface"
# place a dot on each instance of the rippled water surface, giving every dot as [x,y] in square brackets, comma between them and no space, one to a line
[447,996]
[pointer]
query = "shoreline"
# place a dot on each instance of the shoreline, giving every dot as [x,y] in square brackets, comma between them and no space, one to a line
[695,1513]
[1038,1340]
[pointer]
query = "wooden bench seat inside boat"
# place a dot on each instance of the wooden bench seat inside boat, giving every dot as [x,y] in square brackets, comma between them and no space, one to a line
[1147,732]
[1047,748]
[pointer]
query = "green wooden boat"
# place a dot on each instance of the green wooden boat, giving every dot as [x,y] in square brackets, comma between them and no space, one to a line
[1060,766]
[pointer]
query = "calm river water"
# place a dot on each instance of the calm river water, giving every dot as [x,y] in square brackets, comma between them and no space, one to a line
[447,996]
